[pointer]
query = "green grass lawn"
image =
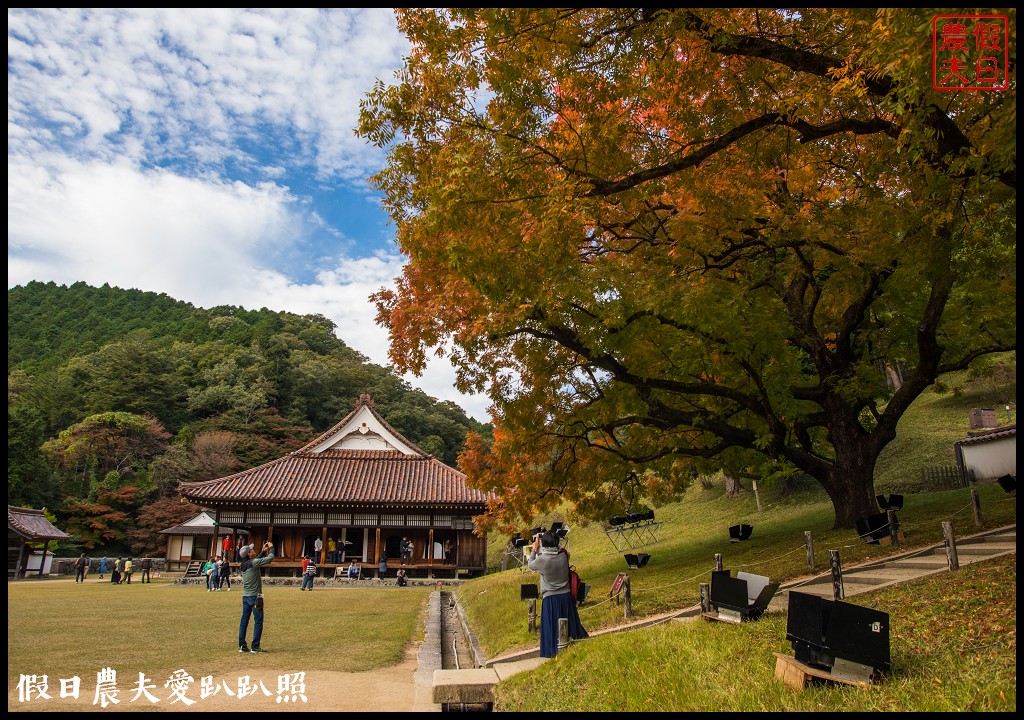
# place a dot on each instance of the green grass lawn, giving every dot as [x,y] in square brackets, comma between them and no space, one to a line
[953,648]
[62,630]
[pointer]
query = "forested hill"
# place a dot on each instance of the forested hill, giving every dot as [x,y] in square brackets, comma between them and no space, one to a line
[47,324]
[83,360]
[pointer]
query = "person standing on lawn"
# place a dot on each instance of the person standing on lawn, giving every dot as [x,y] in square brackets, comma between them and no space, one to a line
[252,595]
[225,572]
[80,564]
[308,575]
[552,564]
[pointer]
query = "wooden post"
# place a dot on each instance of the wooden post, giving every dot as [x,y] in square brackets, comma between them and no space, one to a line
[809,544]
[42,562]
[627,601]
[893,527]
[531,624]
[718,561]
[757,495]
[837,575]
[951,558]
[19,571]
[563,634]
[976,503]
[216,533]
[705,598]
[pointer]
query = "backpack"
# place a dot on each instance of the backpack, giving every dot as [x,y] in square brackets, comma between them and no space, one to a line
[577,588]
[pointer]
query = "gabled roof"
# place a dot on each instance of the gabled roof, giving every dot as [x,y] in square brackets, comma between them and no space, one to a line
[362,461]
[201,524]
[32,524]
[989,435]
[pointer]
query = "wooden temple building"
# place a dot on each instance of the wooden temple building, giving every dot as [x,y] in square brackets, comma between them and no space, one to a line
[24,527]
[361,487]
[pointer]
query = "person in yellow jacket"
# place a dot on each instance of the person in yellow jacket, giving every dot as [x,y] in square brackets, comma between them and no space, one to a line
[128,571]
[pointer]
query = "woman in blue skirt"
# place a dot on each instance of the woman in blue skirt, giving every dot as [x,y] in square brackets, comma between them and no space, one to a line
[552,564]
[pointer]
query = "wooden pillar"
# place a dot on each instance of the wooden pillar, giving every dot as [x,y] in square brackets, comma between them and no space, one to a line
[430,545]
[531,619]
[976,504]
[810,549]
[563,634]
[42,563]
[216,533]
[377,554]
[705,597]
[627,600]
[951,557]
[19,571]
[893,532]
[718,561]
[837,575]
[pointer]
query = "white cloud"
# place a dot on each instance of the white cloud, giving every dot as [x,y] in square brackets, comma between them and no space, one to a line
[207,242]
[205,84]
[157,149]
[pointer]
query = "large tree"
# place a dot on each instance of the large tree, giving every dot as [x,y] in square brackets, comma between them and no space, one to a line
[674,241]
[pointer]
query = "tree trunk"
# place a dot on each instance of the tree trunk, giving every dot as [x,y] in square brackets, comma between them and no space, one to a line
[732,486]
[850,483]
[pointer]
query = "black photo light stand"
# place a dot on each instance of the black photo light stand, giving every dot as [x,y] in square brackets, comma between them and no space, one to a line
[849,641]
[740,532]
[637,561]
[633,530]
[518,552]
[1008,483]
[875,528]
[893,502]
[740,598]
[528,591]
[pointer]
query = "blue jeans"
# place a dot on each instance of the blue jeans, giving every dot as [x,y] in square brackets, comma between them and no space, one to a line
[249,608]
[307,580]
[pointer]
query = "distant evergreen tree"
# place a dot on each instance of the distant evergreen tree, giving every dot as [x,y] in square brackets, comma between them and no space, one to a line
[259,383]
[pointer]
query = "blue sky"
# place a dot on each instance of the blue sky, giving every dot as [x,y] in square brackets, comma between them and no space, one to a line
[208,154]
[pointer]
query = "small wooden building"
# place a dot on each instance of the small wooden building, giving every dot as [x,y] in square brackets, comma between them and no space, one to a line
[361,487]
[24,526]
[193,541]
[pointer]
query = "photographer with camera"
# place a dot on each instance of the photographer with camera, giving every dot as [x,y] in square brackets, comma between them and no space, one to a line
[552,564]
[252,594]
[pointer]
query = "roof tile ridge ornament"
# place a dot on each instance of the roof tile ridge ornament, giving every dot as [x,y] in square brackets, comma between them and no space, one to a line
[365,399]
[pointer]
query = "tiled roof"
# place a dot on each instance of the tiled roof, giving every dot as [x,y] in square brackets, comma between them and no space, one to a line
[32,524]
[988,435]
[196,530]
[343,477]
